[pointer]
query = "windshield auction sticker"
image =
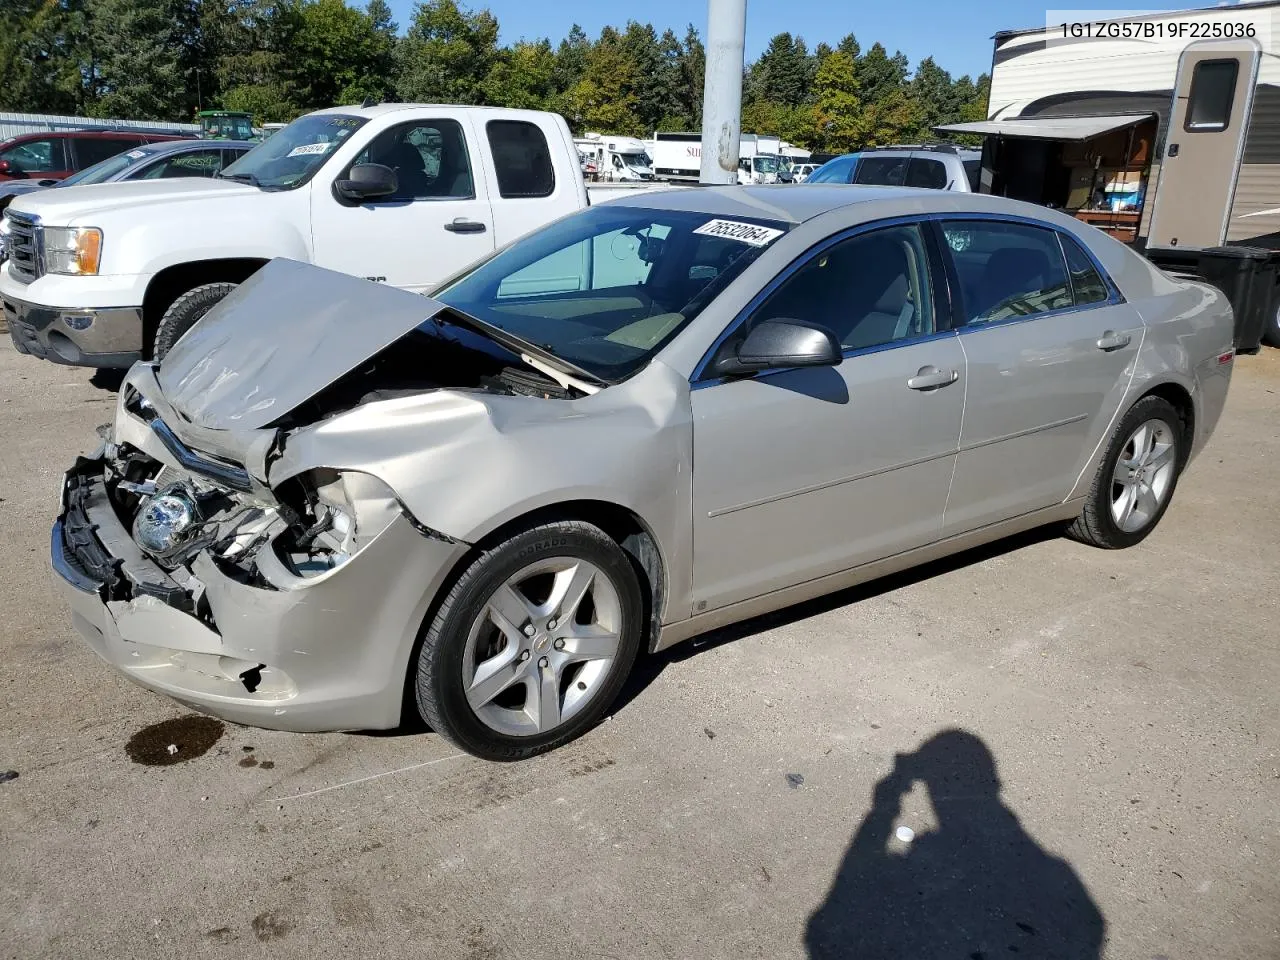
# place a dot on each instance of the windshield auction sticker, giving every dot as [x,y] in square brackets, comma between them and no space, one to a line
[310,150]
[751,233]
[1245,24]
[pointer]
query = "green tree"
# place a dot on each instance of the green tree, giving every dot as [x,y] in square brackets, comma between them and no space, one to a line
[254,69]
[137,68]
[604,99]
[837,109]
[339,55]
[693,68]
[522,77]
[447,54]
[879,74]
[783,73]
[41,42]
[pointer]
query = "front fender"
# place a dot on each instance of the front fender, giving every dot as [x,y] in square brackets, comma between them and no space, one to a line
[465,463]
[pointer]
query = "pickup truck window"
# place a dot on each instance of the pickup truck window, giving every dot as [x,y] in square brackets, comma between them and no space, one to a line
[522,158]
[291,157]
[606,288]
[430,160]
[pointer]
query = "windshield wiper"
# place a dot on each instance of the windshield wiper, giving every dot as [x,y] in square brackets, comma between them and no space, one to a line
[242,177]
[517,344]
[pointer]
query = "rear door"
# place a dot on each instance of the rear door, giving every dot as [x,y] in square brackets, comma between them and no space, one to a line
[532,179]
[1212,101]
[1050,347]
[438,220]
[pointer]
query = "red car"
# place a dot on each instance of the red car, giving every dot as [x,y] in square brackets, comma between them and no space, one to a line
[55,156]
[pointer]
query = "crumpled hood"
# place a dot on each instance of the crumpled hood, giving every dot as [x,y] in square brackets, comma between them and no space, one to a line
[287,333]
[62,207]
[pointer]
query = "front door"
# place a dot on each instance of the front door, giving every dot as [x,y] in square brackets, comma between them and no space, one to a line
[1050,351]
[1212,101]
[438,220]
[802,473]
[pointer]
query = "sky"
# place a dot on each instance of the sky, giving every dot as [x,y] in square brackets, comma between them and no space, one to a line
[956,33]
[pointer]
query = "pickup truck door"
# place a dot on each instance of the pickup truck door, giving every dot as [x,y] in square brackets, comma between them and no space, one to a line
[532,169]
[438,220]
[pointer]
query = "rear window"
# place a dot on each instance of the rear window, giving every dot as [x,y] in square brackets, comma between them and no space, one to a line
[522,159]
[1087,284]
[882,171]
[839,170]
[973,170]
[91,150]
[1213,87]
[926,172]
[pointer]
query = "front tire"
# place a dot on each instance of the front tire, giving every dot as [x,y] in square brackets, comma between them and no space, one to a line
[184,312]
[533,643]
[1136,479]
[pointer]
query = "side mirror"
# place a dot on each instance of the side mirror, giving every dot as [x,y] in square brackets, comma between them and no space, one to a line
[367,181]
[781,343]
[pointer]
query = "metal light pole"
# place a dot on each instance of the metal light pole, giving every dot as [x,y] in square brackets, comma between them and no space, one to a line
[722,90]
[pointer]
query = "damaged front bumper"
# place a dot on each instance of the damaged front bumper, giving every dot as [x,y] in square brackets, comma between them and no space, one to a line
[279,650]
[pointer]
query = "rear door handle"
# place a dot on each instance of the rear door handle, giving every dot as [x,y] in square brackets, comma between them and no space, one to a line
[462,225]
[1113,341]
[931,378]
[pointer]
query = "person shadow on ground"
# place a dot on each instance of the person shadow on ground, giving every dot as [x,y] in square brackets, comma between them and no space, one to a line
[977,887]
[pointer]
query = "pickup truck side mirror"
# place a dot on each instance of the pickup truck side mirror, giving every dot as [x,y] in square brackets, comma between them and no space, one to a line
[367,181]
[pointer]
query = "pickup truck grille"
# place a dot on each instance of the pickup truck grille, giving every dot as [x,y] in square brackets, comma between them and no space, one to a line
[24,246]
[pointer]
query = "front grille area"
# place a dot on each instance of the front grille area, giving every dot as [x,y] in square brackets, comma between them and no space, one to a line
[24,246]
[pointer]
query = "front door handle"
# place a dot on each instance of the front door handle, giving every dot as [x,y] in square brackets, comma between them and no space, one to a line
[931,378]
[463,225]
[1113,341]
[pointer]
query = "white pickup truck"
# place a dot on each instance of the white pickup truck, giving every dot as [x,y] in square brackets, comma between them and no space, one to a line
[397,193]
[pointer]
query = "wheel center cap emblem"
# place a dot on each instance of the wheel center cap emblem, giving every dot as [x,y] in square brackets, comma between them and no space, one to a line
[542,643]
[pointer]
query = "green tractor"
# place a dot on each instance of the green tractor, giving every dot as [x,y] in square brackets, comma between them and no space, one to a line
[226,125]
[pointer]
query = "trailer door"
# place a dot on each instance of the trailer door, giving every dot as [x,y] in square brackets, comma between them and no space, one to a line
[1212,99]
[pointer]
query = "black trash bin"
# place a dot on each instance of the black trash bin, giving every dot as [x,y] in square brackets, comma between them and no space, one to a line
[1248,276]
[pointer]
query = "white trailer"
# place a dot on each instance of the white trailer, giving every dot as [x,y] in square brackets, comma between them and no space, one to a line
[677,156]
[1162,129]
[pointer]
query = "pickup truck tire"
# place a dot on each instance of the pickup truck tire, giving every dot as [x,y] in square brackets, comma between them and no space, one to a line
[552,614]
[183,314]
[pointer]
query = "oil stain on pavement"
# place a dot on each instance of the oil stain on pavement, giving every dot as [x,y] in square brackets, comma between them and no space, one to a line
[174,741]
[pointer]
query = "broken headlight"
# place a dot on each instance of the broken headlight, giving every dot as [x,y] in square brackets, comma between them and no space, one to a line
[336,514]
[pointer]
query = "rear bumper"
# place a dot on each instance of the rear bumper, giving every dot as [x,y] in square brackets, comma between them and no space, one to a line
[328,653]
[106,337]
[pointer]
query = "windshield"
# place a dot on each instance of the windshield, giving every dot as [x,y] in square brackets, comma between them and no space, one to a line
[291,157]
[104,171]
[605,289]
[226,127]
[636,159]
[766,164]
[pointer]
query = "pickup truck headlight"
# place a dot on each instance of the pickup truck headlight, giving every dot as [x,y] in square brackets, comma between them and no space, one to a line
[72,251]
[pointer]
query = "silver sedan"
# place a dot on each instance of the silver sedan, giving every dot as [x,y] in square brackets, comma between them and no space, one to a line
[334,503]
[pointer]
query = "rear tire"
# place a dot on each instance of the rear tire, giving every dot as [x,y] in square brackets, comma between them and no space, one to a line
[1271,331]
[184,312]
[533,644]
[1136,478]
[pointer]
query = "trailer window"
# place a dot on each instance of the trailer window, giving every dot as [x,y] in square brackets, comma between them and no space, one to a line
[522,159]
[1213,88]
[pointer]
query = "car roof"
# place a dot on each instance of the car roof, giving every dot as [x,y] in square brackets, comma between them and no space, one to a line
[184,146]
[795,204]
[92,135]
